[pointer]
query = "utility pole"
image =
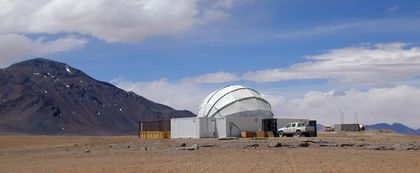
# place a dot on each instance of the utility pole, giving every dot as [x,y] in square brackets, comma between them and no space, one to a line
[357,117]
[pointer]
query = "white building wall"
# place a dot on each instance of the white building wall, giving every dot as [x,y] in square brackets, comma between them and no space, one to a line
[185,127]
[237,124]
[229,126]
[194,127]
[221,128]
[199,127]
[211,129]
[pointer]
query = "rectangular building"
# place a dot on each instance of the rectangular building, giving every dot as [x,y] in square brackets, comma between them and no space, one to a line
[228,126]
[347,127]
[198,127]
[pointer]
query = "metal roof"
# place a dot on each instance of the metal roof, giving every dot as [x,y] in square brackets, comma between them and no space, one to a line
[233,99]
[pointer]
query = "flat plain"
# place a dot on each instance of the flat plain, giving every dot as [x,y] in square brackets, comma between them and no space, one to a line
[329,152]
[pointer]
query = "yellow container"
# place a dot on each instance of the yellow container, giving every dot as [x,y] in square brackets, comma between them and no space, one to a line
[154,135]
[261,134]
[270,134]
[167,135]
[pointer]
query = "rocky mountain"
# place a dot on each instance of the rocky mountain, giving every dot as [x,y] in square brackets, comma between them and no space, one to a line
[396,127]
[41,96]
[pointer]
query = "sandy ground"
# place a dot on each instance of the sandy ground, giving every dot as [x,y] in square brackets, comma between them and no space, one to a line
[330,152]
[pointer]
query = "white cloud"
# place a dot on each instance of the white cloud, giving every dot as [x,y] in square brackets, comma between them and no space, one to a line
[397,104]
[186,96]
[109,20]
[380,64]
[113,21]
[15,47]
[188,93]
[212,15]
[376,105]
[392,9]
[399,25]
[375,64]
[218,10]
[224,3]
[219,77]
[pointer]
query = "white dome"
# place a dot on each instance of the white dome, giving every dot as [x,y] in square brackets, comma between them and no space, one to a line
[235,100]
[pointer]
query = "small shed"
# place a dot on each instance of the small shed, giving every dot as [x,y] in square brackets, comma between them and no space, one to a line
[155,125]
[347,127]
[155,129]
[193,127]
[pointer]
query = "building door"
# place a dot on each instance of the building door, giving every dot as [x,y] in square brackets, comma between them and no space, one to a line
[270,125]
[211,128]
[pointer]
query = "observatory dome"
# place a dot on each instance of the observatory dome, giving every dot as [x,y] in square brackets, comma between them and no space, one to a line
[235,100]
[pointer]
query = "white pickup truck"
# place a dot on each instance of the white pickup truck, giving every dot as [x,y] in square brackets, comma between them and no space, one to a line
[297,129]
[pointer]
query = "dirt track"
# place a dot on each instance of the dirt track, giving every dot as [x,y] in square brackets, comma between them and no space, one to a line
[370,152]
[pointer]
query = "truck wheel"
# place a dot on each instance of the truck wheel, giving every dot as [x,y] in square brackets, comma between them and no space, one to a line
[281,134]
[298,134]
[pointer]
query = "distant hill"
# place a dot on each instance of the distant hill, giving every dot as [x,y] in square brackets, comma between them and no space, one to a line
[41,96]
[396,127]
[320,127]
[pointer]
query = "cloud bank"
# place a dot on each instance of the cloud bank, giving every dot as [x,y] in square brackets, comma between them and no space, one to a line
[365,65]
[109,20]
[397,104]
[113,21]
[377,64]
[218,77]
[376,105]
[15,47]
[179,95]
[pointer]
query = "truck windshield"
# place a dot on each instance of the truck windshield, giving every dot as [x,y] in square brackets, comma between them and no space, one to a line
[300,125]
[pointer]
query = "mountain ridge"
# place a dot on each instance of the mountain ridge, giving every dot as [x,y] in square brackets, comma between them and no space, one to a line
[41,96]
[396,127]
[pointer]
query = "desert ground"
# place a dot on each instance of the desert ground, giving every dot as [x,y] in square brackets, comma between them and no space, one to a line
[329,152]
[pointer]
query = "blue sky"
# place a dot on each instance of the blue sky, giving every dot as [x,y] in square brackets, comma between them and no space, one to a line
[246,41]
[302,55]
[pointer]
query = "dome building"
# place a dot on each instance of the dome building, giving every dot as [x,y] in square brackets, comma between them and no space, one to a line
[225,113]
[234,100]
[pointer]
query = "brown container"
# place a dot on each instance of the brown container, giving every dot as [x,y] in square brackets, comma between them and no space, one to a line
[261,134]
[246,134]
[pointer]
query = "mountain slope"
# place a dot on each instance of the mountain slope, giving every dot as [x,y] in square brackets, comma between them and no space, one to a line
[320,127]
[396,127]
[41,96]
